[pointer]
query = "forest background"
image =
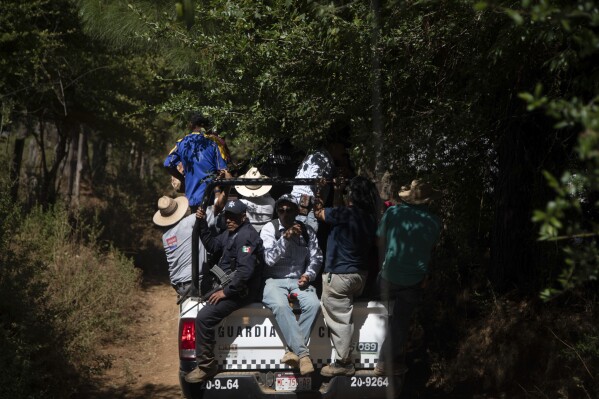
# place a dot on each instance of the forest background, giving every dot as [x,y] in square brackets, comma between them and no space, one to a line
[493,102]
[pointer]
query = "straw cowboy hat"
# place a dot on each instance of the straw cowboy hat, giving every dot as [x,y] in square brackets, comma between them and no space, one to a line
[170,211]
[418,193]
[252,191]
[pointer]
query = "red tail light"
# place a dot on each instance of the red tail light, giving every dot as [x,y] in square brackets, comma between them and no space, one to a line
[187,338]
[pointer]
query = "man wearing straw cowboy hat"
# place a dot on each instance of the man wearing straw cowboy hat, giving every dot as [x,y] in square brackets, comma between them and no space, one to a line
[407,234]
[260,204]
[176,238]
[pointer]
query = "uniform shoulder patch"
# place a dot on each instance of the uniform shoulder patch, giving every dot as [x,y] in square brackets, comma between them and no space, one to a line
[171,242]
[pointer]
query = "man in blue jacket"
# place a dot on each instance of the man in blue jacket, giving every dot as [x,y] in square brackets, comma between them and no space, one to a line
[349,246]
[241,252]
[202,155]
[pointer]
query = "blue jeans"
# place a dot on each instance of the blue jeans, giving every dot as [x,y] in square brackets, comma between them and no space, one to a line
[295,332]
[407,299]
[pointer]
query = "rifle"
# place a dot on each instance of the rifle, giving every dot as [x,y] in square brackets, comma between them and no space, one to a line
[223,278]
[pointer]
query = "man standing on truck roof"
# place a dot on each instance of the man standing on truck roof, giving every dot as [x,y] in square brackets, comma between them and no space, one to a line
[346,266]
[293,259]
[202,156]
[241,253]
[407,233]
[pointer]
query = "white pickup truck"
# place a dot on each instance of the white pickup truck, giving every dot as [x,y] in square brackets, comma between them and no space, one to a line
[249,348]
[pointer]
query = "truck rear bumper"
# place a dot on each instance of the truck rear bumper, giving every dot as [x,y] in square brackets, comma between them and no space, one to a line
[251,384]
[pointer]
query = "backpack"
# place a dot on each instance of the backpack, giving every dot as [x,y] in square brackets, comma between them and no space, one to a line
[305,235]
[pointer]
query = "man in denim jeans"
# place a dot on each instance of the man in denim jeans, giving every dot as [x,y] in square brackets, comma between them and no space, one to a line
[407,234]
[293,259]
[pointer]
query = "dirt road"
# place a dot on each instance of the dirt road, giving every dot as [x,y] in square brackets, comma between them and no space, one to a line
[146,365]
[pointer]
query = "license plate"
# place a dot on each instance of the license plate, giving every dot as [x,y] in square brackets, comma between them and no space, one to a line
[291,382]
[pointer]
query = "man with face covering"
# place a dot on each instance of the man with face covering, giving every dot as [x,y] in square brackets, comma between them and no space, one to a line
[240,249]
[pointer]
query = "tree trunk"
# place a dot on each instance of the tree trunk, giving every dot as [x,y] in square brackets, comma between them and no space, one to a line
[46,186]
[142,165]
[98,161]
[528,147]
[85,185]
[48,189]
[16,167]
[71,164]
[78,168]
[512,229]
[32,162]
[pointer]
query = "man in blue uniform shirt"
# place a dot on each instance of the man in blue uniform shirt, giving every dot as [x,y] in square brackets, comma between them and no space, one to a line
[241,251]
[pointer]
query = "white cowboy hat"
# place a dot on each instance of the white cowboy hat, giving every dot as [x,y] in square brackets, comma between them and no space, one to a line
[418,193]
[252,191]
[170,211]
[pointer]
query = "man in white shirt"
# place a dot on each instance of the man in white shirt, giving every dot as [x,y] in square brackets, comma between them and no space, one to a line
[293,260]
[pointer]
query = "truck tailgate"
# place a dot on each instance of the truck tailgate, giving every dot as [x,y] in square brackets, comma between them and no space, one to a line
[249,339]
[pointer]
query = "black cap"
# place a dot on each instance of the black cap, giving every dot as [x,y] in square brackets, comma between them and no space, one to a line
[235,206]
[198,119]
[287,198]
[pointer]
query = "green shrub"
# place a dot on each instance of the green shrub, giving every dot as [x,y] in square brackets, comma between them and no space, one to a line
[61,299]
[33,360]
[33,351]
[93,291]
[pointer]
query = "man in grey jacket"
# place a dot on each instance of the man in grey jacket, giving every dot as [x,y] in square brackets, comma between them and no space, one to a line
[177,227]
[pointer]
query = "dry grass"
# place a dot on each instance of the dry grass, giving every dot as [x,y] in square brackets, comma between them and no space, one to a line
[527,349]
[76,298]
